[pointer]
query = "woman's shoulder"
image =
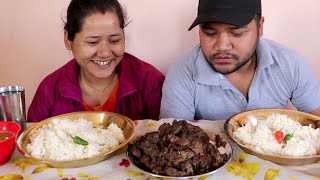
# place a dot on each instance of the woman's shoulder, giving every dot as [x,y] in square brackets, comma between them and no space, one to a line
[66,71]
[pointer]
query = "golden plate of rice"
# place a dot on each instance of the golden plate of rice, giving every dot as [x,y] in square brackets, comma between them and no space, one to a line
[285,137]
[76,139]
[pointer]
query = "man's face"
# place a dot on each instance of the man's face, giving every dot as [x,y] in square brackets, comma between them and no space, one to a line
[227,48]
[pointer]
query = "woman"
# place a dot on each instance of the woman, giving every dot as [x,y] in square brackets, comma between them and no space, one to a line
[101,77]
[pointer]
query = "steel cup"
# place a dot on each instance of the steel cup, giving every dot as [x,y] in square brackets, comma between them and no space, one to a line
[12,105]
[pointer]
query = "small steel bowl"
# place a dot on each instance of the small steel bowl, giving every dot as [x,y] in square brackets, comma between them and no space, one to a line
[98,119]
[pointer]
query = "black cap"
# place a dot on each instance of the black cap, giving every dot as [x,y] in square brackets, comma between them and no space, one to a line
[234,12]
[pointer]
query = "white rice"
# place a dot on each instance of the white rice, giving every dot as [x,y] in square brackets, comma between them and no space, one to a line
[305,140]
[54,140]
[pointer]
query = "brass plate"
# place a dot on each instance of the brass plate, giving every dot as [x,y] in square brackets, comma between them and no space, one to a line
[98,119]
[234,123]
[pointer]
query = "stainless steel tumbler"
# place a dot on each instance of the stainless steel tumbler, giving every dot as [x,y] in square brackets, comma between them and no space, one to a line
[12,105]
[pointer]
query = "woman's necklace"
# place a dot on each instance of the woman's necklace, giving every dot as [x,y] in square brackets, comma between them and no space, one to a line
[104,89]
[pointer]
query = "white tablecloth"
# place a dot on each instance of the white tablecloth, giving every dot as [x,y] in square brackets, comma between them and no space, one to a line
[242,166]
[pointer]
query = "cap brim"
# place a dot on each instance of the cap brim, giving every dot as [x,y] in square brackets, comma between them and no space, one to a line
[236,17]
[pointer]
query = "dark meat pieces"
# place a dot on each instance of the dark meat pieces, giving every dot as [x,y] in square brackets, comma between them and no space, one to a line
[177,150]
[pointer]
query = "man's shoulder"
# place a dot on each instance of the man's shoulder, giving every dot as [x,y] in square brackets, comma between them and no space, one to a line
[191,56]
[277,49]
[278,53]
[187,61]
[285,62]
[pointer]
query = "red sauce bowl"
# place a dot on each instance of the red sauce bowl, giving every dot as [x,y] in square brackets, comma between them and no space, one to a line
[7,145]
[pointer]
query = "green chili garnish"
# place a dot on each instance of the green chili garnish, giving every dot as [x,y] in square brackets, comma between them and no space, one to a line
[79,140]
[287,138]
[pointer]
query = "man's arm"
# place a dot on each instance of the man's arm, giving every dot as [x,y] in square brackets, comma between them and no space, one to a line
[153,93]
[306,93]
[316,112]
[178,94]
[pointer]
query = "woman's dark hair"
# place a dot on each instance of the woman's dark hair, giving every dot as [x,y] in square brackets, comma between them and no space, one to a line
[78,10]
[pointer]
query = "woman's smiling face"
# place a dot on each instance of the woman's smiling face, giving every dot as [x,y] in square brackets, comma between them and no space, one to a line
[99,46]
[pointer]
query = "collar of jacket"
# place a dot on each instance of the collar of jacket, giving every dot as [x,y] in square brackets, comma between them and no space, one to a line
[128,76]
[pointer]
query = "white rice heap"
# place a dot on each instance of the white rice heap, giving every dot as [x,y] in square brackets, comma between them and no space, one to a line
[260,136]
[54,140]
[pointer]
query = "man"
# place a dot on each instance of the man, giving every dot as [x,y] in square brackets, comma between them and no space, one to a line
[234,69]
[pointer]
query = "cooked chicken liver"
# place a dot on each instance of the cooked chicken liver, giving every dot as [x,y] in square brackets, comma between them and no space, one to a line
[177,150]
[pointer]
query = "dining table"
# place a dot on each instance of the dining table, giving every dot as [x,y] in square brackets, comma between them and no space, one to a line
[241,165]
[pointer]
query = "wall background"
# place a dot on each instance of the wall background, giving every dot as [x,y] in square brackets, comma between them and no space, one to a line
[31,34]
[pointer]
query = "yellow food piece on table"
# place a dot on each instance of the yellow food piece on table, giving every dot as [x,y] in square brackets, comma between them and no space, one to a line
[134,173]
[246,170]
[271,174]
[242,157]
[23,163]
[40,169]
[60,172]
[11,177]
